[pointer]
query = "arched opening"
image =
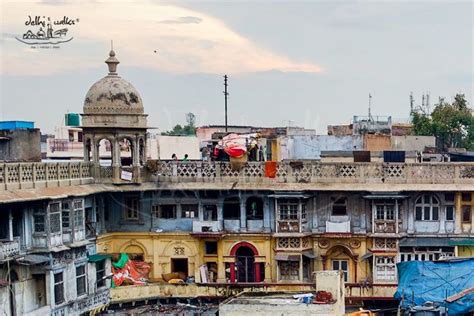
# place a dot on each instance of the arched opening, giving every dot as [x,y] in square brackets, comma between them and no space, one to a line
[104,152]
[245,264]
[231,208]
[341,258]
[126,152]
[254,208]
[245,269]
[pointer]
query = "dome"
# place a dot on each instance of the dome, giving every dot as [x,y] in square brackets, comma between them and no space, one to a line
[112,94]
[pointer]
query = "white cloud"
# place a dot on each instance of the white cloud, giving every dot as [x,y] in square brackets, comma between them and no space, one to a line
[185,41]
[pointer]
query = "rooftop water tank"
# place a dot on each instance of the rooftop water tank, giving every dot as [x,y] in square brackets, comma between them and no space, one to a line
[72,119]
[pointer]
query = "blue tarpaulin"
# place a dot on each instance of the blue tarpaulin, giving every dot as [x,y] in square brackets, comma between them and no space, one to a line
[427,281]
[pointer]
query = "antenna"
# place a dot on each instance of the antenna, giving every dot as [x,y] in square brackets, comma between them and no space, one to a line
[370,105]
[423,101]
[225,99]
[428,102]
[411,102]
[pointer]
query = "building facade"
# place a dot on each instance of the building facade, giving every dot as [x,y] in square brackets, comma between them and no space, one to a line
[262,225]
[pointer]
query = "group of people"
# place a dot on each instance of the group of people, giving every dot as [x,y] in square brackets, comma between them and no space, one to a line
[175,158]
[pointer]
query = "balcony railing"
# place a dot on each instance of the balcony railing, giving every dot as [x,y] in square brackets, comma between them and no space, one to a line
[317,172]
[39,174]
[9,249]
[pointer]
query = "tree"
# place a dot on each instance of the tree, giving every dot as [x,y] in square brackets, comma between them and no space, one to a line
[186,130]
[451,123]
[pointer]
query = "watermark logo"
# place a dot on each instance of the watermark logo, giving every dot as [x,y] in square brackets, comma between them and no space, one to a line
[44,31]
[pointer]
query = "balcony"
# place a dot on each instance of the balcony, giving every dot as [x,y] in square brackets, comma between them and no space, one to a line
[39,174]
[9,249]
[338,224]
[205,226]
[314,172]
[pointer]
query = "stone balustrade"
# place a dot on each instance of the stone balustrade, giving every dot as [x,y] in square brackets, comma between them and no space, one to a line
[38,174]
[318,172]
[9,249]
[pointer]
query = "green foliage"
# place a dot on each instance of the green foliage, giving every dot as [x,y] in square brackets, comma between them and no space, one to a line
[451,123]
[178,130]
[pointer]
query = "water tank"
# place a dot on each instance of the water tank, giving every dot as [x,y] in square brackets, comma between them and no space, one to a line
[72,119]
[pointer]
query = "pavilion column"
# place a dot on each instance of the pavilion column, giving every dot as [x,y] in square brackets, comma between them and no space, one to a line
[115,154]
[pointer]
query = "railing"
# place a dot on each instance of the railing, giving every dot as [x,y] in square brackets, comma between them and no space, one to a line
[9,249]
[64,145]
[92,301]
[38,174]
[318,172]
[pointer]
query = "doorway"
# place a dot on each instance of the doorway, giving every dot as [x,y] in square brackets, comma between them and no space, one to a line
[179,265]
[245,264]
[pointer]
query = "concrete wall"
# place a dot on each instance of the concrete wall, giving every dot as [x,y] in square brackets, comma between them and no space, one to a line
[412,143]
[20,145]
[377,142]
[310,147]
[179,145]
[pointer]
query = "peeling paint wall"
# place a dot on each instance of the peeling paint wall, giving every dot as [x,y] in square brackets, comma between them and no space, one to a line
[20,145]
[310,147]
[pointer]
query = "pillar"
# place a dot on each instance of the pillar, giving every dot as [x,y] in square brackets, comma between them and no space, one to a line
[396,216]
[411,218]
[257,272]
[243,215]
[220,215]
[10,225]
[116,162]
[457,215]
[232,272]
[266,215]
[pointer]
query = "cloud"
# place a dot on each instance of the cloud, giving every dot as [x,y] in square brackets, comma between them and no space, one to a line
[162,37]
[183,20]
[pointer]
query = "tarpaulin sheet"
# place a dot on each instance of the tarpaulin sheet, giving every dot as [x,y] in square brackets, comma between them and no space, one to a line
[128,272]
[423,281]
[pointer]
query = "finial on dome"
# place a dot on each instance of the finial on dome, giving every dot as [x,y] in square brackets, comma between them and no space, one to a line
[112,61]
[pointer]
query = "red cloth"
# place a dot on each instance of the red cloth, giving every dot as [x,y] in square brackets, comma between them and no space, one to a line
[270,169]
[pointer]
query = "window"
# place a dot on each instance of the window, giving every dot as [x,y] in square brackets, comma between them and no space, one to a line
[211,247]
[385,210]
[426,208]
[58,288]
[55,217]
[289,270]
[385,268]
[466,197]
[231,208]
[425,253]
[339,207]
[65,214]
[189,210]
[167,211]
[210,212]
[131,208]
[341,265]
[38,219]
[449,207]
[254,208]
[100,273]
[288,209]
[81,280]
[466,213]
[78,218]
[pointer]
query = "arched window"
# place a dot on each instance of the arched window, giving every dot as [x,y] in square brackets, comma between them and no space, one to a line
[427,208]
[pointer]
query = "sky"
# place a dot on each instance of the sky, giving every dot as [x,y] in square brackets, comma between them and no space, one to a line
[298,63]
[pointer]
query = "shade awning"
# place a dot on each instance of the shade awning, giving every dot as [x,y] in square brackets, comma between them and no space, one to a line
[385,196]
[309,254]
[461,242]
[98,257]
[287,257]
[32,259]
[366,256]
[428,242]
